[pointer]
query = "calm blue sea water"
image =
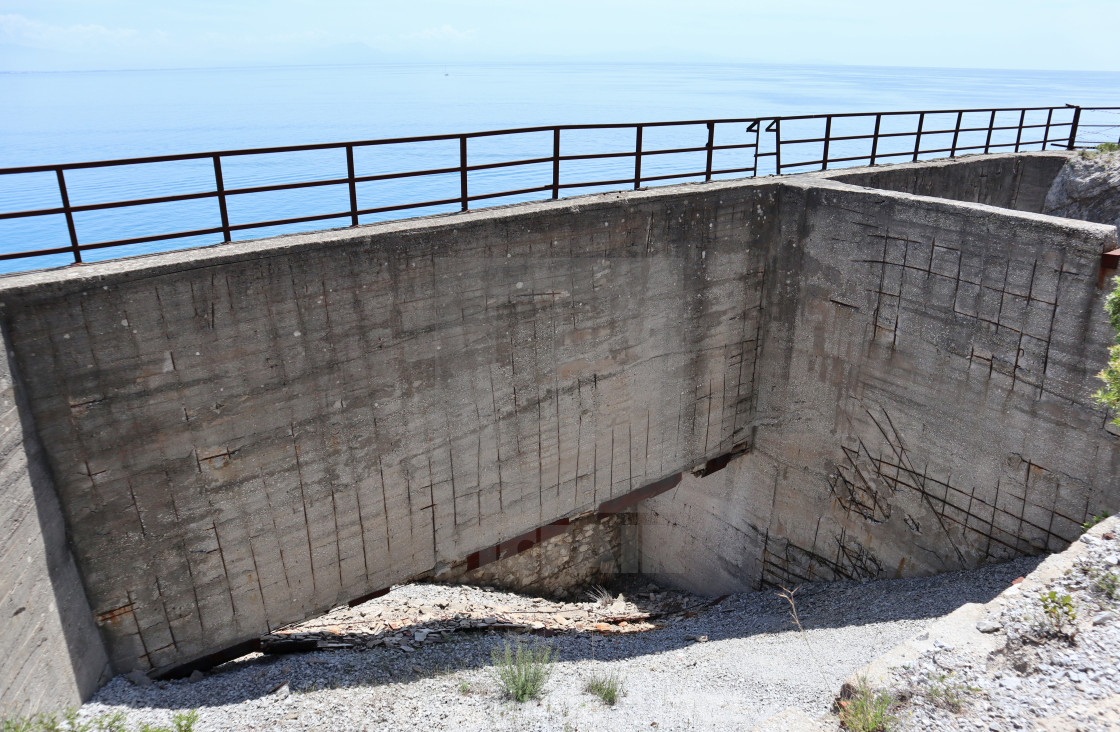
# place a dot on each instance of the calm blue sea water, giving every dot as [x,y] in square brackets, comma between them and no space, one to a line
[70,117]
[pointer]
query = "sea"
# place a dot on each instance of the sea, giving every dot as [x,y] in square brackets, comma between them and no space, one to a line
[67,117]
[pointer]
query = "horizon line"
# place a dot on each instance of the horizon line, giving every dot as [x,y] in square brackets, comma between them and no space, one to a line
[546,62]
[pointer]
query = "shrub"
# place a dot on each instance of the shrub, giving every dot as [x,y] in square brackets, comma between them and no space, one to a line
[1109,394]
[607,686]
[868,710]
[522,671]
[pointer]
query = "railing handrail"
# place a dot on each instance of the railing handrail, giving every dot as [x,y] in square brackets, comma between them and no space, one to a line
[366,143]
[769,125]
[237,152]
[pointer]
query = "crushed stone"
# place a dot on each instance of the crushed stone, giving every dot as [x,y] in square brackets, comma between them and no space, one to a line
[753,665]
[1053,672]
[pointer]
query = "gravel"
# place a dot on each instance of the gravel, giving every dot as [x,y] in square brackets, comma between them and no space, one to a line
[753,664]
[1044,677]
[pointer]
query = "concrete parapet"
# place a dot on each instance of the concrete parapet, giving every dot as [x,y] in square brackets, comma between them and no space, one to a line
[1008,180]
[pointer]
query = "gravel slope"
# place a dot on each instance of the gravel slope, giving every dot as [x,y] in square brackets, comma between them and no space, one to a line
[753,665]
[1042,675]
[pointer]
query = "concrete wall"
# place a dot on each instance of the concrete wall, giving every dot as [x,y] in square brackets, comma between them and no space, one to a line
[247,435]
[250,435]
[924,398]
[50,651]
[1018,182]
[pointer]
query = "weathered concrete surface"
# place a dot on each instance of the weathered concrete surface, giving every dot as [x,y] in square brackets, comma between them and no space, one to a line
[255,435]
[50,650]
[924,398]
[1016,181]
[709,533]
[248,435]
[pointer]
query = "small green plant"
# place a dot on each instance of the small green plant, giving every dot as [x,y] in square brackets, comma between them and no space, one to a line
[868,710]
[114,722]
[1106,583]
[948,692]
[522,670]
[185,721]
[1109,394]
[1088,153]
[180,722]
[1059,613]
[68,721]
[607,686]
[1095,519]
[464,687]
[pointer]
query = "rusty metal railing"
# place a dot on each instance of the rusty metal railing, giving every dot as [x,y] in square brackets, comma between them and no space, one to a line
[765,145]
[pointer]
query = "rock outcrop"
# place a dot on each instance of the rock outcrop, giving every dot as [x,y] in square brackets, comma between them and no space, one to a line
[1087,188]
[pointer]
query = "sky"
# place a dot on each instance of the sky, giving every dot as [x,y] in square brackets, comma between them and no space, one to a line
[143,34]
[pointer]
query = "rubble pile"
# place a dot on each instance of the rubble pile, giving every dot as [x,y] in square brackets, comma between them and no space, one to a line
[417,614]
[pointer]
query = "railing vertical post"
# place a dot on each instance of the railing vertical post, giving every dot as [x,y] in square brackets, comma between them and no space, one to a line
[638,158]
[918,135]
[69,216]
[777,146]
[353,185]
[463,197]
[827,138]
[991,126]
[220,187]
[956,135]
[757,125]
[1019,133]
[711,147]
[1073,128]
[1046,132]
[875,138]
[555,163]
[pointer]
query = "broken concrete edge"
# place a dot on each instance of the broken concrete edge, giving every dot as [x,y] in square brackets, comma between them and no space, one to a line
[959,628]
[502,550]
[51,283]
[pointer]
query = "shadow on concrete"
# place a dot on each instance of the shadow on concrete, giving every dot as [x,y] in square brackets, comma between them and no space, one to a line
[739,616]
[67,659]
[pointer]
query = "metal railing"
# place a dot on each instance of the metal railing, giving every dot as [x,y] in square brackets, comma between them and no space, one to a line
[765,145]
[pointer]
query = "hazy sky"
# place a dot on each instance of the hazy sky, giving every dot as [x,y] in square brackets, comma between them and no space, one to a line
[113,34]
